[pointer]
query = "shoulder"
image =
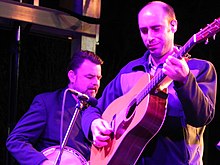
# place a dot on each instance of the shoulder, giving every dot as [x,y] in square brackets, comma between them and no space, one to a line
[49,95]
[196,63]
[136,64]
[202,69]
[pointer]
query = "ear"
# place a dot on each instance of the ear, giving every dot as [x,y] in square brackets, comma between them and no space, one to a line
[72,76]
[173,24]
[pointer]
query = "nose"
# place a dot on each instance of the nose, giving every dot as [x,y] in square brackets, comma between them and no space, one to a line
[147,37]
[150,35]
[96,81]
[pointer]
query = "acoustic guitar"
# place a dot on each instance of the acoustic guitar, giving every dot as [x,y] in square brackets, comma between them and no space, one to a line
[137,116]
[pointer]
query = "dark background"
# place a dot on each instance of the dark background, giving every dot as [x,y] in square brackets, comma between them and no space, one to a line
[43,59]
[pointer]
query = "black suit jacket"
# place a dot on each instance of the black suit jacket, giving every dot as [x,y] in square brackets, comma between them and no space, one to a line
[39,128]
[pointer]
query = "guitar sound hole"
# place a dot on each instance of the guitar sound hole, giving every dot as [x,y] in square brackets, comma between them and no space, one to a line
[122,127]
[131,110]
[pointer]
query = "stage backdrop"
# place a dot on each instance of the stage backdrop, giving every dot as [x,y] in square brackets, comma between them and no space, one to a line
[43,60]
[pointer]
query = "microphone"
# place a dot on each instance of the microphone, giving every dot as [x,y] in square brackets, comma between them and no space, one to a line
[90,100]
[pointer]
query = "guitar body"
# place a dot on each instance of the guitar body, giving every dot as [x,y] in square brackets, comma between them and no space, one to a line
[134,123]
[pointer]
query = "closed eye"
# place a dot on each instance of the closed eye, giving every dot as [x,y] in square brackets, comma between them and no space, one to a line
[92,76]
[144,30]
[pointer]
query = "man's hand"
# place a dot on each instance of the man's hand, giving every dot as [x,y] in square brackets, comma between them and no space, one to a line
[101,132]
[176,69]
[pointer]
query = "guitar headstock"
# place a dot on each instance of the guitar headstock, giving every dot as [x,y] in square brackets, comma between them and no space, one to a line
[209,31]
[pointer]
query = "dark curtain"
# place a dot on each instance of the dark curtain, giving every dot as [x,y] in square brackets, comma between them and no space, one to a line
[42,68]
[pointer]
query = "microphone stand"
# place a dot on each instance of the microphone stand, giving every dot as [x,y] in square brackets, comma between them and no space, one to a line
[79,106]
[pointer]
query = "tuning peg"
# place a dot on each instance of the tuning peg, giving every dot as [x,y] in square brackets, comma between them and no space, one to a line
[206,41]
[214,36]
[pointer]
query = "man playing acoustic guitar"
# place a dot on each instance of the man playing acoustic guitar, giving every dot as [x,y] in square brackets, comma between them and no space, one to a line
[154,112]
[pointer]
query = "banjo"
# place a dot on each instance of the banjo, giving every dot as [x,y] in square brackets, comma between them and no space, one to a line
[70,156]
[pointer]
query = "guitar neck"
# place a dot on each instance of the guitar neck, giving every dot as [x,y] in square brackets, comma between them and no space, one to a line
[187,47]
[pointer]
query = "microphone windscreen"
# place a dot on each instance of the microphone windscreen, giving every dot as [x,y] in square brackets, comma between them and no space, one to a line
[92,101]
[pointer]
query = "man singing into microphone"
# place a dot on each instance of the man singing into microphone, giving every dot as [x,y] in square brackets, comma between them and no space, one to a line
[39,128]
